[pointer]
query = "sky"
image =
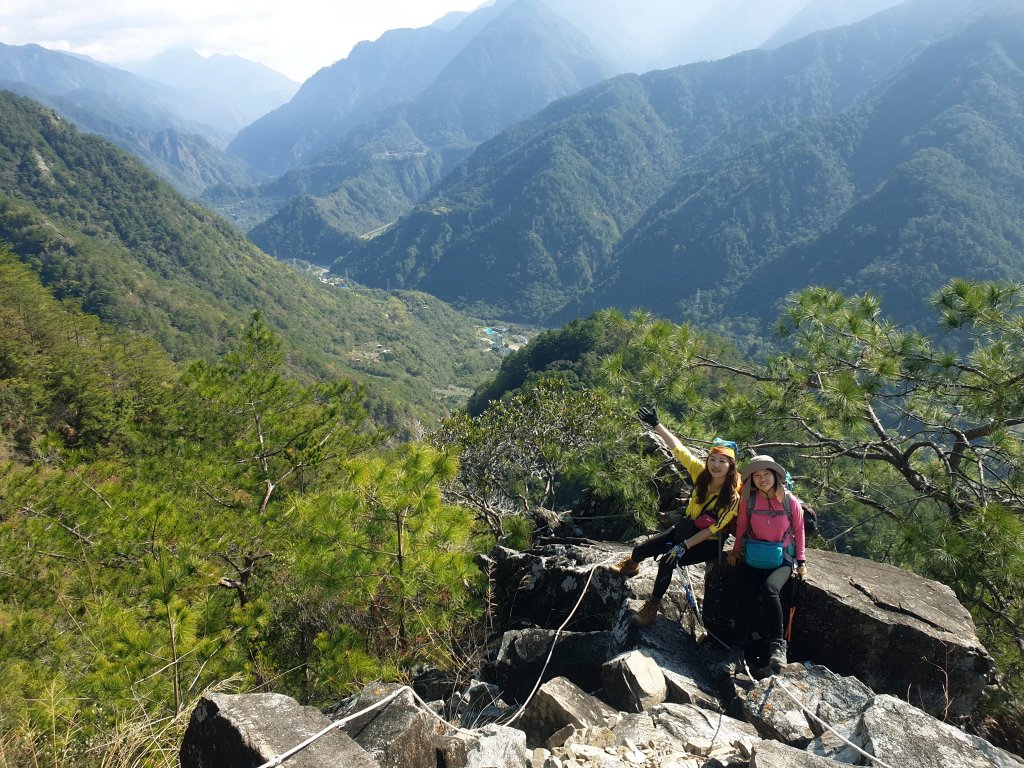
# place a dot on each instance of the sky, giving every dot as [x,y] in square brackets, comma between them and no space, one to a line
[294,37]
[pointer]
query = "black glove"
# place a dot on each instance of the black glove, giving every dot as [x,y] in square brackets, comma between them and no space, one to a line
[648,415]
[675,553]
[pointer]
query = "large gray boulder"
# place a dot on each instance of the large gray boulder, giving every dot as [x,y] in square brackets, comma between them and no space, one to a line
[399,734]
[557,704]
[244,731]
[522,659]
[687,723]
[494,746]
[773,705]
[791,707]
[902,735]
[633,682]
[541,586]
[895,631]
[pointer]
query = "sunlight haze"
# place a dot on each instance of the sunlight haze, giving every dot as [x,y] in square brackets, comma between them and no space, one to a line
[295,38]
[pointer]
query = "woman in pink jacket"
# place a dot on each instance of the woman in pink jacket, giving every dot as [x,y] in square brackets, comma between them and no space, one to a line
[770,542]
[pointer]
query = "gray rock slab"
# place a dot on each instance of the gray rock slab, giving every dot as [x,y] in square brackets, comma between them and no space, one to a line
[897,632]
[902,735]
[772,754]
[773,705]
[559,703]
[685,722]
[633,682]
[242,731]
[399,734]
[496,746]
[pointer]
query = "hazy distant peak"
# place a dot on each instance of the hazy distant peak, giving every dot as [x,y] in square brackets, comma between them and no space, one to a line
[818,15]
[450,20]
[186,68]
[182,61]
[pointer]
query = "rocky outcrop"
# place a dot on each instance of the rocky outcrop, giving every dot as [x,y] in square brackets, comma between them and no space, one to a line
[526,656]
[794,707]
[895,631]
[633,682]
[228,731]
[572,683]
[540,588]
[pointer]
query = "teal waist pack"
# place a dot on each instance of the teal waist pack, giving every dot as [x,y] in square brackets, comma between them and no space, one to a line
[763,554]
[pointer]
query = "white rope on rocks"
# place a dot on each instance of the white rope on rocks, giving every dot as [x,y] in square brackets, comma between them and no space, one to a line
[775,679]
[276,761]
[279,759]
[554,640]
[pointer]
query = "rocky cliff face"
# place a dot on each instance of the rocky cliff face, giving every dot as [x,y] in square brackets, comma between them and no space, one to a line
[876,654]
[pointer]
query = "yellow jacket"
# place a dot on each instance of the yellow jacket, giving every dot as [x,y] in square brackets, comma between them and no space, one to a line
[694,466]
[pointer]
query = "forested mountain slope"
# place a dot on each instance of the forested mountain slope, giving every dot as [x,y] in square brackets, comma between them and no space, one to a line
[913,186]
[361,155]
[524,59]
[375,75]
[179,134]
[99,228]
[531,221]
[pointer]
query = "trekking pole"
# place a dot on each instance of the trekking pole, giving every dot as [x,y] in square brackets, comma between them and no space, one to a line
[797,589]
[691,600]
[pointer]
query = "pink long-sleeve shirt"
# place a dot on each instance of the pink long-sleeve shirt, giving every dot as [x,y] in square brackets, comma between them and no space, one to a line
[771,527]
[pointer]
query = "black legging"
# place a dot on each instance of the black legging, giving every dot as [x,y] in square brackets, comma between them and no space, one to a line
[704,552]
[760,582]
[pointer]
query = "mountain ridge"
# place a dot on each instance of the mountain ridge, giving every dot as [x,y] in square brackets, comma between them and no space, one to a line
[101,230]
[338,128]
[915,186]
[246,88]
[544,203]
[524,58]
[172,131]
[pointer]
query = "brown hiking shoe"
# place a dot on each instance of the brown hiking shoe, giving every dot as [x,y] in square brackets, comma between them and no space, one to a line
[647,614]
[626,567]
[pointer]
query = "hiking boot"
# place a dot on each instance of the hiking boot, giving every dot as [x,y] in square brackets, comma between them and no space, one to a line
[626,567]
[732,664]
[648,613]
[777,660]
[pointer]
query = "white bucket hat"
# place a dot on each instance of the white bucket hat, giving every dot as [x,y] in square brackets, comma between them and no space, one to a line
[764,461]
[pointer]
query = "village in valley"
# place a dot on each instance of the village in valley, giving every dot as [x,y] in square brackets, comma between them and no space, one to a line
[501,340]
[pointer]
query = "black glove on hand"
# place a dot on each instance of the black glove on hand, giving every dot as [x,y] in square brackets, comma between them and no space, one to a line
[648,415]
[675,553]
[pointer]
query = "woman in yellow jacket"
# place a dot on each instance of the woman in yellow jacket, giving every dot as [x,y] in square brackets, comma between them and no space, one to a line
[694,539]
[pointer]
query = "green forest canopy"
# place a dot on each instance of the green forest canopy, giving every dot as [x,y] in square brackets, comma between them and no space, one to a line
[220,524]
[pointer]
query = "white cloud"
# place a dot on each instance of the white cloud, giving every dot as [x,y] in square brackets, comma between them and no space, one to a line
[296,37]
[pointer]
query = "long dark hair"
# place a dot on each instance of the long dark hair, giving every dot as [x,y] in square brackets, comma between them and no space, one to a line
[730,486]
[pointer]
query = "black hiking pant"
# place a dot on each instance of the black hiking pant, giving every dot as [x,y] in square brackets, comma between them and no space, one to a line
[767,585]
[658,545]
